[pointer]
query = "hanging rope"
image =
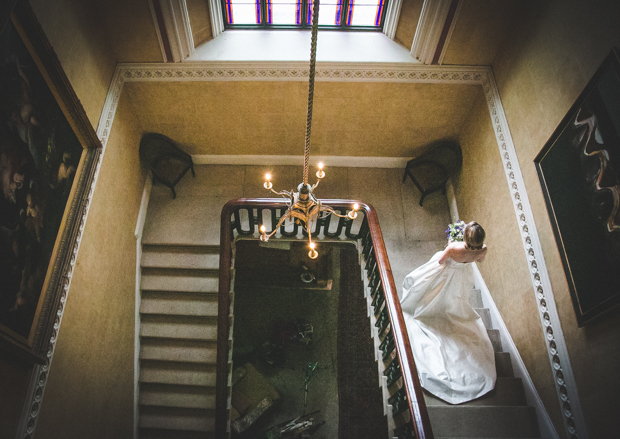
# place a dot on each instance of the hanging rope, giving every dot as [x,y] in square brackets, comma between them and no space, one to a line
[315,28]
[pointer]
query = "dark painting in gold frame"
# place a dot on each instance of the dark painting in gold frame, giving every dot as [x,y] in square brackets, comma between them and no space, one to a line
[579,170]
[48,157]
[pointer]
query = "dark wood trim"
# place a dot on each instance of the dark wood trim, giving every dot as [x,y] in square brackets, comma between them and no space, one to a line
[165,41]
[417,406]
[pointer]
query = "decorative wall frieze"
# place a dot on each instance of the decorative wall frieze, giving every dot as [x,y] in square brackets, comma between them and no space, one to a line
[561,368]
[298,71]
[367,72]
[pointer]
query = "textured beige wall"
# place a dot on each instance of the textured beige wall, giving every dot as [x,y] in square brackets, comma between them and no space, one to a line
[73,28]
[89,393]
[349,119]
[483,195]
[200,21]
[130,30]
[479,31]
[408,22]
[544,65]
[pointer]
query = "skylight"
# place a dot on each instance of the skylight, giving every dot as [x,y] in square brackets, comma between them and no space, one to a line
[297,14]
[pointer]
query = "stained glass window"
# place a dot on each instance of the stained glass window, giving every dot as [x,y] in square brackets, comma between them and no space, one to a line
[287,14]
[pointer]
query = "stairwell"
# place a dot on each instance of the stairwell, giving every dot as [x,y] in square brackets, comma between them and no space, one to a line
[501,413]
[178,339]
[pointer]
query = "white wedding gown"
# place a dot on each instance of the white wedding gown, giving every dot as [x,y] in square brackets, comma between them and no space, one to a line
[451,347]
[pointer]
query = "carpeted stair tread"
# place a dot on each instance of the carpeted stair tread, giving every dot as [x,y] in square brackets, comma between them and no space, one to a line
[496,340]
[168,350]
[475,298]
[507,392]
[485,315]
[186,220]
[177,373]
[503,365]
[484,421]
[148,433]
[180,260]
[168,395]
[196,328]
[179,304]
[156,282]
[176,419]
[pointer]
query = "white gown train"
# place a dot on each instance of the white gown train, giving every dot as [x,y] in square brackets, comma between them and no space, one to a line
[451,347]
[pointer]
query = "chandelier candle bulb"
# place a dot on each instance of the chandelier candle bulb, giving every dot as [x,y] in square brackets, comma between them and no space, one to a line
[263,236]
[353,213]
[268,184]
[320,173]
[313,254]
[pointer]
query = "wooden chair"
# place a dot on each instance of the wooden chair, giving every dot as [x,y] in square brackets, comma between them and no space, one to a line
[434,166]
[165,159]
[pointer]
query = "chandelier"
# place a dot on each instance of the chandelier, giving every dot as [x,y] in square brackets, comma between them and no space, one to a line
[303,206]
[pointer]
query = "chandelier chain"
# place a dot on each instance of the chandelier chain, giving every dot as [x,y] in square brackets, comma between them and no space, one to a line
[315,27]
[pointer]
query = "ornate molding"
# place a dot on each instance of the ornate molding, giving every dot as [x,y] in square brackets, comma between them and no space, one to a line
[561,368]
[298,71]
[217,18]
[428,31]
[391,18]
[368,72]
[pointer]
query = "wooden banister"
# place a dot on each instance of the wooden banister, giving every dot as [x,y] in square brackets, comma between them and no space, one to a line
[370,228]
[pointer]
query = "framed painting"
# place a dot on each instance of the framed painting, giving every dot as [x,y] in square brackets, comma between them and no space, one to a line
[48,157]
[579,170]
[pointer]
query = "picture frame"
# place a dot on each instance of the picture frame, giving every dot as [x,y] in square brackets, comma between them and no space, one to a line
[49,153]
[579,171]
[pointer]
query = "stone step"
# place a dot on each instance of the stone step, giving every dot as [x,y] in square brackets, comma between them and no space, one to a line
[195,328]
[177,373]
[190,351]
[177,419]
[483,421]
[198,284]
[475,299]
[485,315]
[503,365]
[496,340]
[167,395]
[189,304]
[507,392]
[179,259]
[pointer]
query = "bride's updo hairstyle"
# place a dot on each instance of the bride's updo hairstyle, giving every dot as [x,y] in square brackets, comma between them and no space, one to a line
[474,235]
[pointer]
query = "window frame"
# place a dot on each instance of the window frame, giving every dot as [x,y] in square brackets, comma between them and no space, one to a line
[343,27]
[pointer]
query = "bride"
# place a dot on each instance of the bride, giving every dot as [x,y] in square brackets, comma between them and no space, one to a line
[451,347]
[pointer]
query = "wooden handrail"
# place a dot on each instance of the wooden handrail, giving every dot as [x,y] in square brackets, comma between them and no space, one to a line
[415,398]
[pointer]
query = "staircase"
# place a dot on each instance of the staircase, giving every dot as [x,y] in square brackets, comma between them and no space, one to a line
[178,339]
[501,413]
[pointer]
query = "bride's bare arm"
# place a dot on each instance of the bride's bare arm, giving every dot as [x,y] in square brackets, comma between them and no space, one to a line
[446,254]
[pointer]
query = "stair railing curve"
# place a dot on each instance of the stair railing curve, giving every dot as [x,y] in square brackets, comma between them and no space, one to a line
[242,217]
